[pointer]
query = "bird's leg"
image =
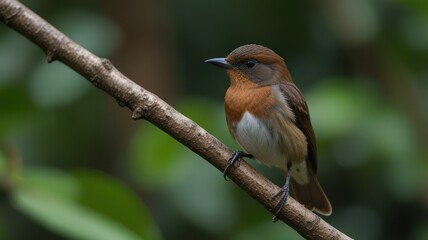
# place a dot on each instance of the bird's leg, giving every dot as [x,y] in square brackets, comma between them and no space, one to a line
[283,193]
[234,160]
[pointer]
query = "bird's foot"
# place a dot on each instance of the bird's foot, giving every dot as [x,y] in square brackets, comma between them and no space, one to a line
[234,160]
[283,193]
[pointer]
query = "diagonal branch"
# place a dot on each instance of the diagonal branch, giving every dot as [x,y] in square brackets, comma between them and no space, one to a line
[146,105]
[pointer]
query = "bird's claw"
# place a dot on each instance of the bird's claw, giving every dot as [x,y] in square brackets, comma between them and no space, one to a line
[234,160]
[283,193]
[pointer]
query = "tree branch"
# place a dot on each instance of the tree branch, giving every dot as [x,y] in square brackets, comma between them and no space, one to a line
[146,105]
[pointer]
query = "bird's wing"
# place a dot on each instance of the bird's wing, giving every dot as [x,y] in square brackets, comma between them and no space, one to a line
[298,105]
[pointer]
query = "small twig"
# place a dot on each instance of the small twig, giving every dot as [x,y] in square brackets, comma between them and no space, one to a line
[146,105]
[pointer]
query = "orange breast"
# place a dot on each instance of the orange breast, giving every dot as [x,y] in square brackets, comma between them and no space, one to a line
[244,95]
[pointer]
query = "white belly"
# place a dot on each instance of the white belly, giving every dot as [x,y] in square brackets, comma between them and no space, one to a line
[267,146]
[255,138]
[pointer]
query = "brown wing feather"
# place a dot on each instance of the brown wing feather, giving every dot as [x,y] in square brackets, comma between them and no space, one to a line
[311,195]
[298,104]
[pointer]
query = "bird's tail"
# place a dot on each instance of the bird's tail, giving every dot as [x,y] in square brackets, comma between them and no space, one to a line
[311,195]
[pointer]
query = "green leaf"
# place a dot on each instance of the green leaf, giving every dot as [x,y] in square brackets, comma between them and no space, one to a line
[66,217]
[50,180]
[112,198]
[86,206]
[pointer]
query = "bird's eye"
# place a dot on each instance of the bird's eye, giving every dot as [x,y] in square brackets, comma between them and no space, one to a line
[250,63]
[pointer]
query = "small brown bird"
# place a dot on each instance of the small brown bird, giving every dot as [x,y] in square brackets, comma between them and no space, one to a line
[267,115]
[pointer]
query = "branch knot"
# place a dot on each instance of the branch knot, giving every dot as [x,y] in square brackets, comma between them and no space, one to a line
[138,113]
[107,64]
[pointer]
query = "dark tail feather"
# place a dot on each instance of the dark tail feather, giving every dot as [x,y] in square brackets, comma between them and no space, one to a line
[312,195]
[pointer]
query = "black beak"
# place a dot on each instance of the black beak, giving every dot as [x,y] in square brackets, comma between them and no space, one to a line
[219,62]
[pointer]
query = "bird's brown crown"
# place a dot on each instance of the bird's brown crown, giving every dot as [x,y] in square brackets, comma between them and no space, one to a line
[258,52]
[259,64]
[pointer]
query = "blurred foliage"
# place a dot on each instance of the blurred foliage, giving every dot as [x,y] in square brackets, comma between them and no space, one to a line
[82,205]
[74,166]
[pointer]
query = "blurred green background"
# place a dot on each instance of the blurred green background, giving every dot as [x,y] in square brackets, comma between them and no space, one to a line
[74,165]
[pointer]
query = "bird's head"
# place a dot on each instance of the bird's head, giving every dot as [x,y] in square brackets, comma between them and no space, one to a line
[254,62]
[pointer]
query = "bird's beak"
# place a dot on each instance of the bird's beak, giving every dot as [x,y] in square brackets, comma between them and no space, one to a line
[219,62]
